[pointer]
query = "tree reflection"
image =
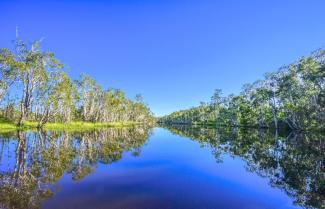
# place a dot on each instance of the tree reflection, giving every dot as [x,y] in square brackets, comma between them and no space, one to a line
[293,162]
[31,162]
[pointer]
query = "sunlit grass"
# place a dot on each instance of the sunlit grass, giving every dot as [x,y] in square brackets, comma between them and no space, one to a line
[7,126]
[79,125]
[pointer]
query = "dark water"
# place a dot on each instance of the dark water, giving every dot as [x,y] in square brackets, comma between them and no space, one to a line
[175,167]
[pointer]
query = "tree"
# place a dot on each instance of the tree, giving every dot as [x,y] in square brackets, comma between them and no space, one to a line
[90,94]
[30,67]
[8,72]
[56,100]
[34,86]
[292,97]
[216,101]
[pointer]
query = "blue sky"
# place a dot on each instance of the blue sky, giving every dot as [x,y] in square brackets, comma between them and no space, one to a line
[173,52]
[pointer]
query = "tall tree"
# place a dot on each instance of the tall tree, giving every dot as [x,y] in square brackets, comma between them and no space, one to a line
[30,66]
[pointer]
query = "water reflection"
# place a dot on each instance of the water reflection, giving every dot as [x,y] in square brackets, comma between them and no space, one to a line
[31,162]
[293,162]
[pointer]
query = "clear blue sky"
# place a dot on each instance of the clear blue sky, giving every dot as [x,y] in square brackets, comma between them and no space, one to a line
[173,52]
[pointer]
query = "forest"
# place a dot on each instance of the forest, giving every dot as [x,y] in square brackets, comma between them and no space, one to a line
[35,90]
[291,98]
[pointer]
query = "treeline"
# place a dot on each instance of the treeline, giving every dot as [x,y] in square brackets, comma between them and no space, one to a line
[34,86]
[293,97]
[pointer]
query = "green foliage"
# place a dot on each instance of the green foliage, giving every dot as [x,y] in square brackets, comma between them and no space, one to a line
[34,90]
[293,97]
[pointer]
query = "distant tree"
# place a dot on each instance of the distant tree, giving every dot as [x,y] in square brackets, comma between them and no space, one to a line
[294,96]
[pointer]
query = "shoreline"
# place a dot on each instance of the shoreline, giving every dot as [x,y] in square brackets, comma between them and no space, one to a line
[72,126]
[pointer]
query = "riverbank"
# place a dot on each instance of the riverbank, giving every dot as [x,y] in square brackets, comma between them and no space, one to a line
[282,127]
[7,126]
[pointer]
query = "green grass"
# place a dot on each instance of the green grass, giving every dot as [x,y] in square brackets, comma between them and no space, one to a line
[79,125]
[8,126]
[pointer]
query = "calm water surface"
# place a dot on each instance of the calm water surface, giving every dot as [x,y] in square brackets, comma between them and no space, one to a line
[174,167]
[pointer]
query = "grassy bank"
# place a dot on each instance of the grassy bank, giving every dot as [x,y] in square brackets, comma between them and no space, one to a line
[7,126]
